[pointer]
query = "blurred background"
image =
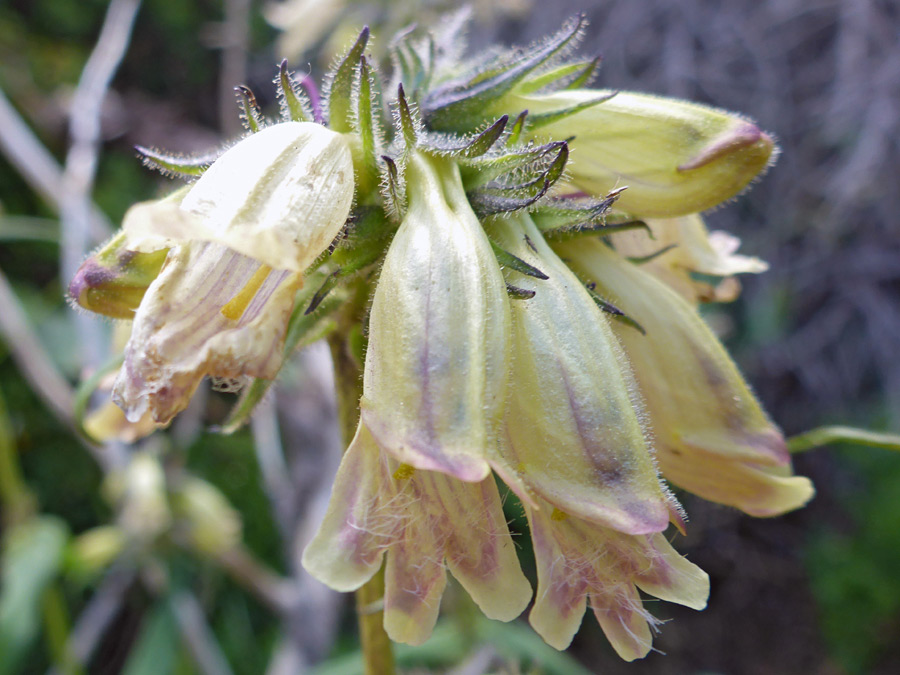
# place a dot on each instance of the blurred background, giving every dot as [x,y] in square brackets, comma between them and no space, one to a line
[206,578]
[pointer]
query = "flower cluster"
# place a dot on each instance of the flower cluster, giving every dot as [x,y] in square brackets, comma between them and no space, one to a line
[529,250]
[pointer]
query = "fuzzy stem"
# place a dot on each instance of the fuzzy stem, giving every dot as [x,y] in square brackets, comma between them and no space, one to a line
[377,650]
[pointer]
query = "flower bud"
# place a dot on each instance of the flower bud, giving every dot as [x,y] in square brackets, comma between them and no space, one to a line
[712,436]
[113,280]
[212,525]
[675,157]
[435,372]
[279,196]
[92,551]
[140,490]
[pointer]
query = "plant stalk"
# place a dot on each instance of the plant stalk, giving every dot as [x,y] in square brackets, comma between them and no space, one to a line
[346,353]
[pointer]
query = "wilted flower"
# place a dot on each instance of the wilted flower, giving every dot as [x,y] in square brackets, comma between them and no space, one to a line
[238,239]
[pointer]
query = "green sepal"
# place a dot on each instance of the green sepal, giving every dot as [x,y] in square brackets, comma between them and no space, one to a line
[515,133]
[392,189]
[340,87]
[408,124]
[293,101]
[364,240]
[565,218]
[570,75]
[175,165]
[516,293]
[459,106]
[414,71]
[587,75]
[507,259]
[303,329]
[640,260]
[539,120]
[498,197]
[612,310]
[251,113]
[485,204]
[468,147]
[480,171]
[330,283]
[367,124]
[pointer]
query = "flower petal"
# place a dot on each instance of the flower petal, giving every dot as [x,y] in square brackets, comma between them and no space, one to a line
[210,311]
[426,522]
[279,196]
[435,371]
[577,559]
[364,518]
[693,249]
[712,436]
[575,437]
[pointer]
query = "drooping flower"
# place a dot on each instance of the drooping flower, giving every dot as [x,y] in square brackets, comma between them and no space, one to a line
[574,432]
[424,523]
[712,436]
[238,240]
[435,372]
[675,157]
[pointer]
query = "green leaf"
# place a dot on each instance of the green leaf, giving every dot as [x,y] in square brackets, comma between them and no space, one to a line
[157,646]
[31,558]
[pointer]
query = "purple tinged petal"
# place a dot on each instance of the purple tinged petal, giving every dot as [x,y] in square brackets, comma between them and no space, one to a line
[182,331]
[712,436]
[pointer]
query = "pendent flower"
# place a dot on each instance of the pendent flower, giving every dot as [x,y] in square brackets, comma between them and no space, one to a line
[435,372]
[238,241]
[573,430]
[712,436]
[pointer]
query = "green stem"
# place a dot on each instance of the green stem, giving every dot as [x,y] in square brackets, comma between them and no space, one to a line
[56,630]
[346,352]
[17,501]
[815,438]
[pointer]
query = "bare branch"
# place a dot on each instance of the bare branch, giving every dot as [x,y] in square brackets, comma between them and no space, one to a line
[197,635]
[37,166]
[81,161]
